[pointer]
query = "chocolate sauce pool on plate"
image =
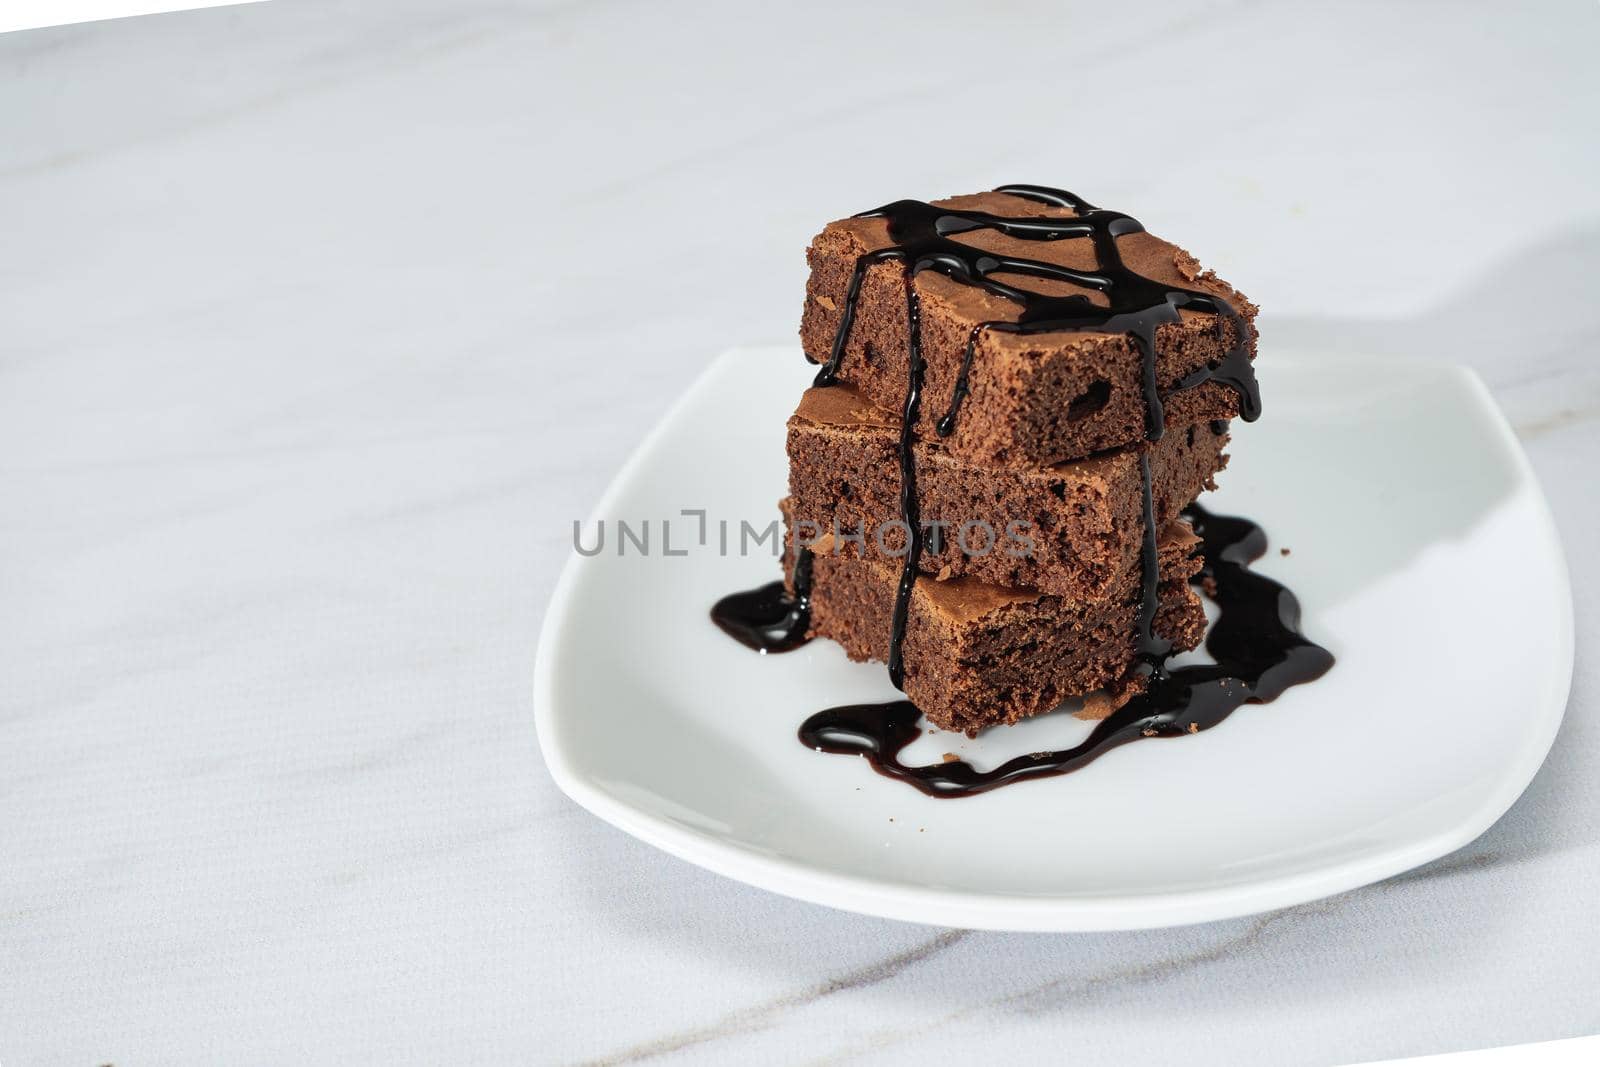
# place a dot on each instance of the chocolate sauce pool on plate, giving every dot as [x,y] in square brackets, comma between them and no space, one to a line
[770,620]
[1256,643]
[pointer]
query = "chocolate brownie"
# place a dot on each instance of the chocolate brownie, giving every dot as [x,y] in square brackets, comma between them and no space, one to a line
[1035,398]
[978,655]
[1071,529]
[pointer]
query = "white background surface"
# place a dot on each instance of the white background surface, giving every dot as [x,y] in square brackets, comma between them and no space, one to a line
[319,324]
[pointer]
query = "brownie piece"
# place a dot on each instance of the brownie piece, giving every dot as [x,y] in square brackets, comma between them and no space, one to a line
[1070,529]
[978,655]
[1034,398]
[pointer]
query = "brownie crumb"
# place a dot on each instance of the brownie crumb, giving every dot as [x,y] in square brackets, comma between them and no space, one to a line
[951,757]
[1283,551]
[1096,706]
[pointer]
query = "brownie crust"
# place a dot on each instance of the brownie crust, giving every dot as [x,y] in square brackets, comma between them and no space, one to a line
[1070,530]
[1035,399]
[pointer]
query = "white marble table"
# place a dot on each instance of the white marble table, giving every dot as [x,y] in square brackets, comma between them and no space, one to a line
[320,322]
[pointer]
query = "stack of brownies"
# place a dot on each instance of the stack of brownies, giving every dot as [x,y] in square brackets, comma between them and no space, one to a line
[1030,578]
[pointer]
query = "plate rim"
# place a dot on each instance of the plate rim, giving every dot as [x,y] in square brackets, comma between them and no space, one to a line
[1041,913]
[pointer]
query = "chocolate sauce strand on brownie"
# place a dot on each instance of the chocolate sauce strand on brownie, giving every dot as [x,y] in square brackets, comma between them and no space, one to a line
[922,235]
[769,618]
[1256,643]
[947,424]
[910,509]
[826,376]
[1153,649]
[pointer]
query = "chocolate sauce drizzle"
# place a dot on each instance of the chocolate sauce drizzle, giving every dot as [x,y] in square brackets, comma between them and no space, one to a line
[1256,644]
[771,620]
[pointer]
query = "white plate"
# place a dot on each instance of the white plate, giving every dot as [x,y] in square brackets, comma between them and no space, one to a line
[1424,558]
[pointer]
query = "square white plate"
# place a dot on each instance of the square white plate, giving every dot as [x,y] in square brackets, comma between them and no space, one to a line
[1424,558]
